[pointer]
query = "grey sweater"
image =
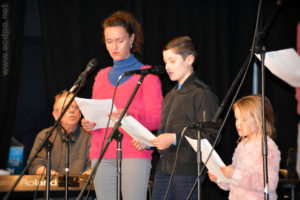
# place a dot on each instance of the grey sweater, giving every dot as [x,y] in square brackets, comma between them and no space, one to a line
[78,157]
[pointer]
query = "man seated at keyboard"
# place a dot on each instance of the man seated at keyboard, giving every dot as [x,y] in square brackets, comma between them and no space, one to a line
[79,142]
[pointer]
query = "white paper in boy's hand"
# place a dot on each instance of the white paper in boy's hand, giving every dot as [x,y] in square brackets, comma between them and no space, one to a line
[214,163]
[96,110]
[137,131]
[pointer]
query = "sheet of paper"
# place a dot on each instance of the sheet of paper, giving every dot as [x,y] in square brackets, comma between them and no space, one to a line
[137,131]
[285,64]
[214,163]
[96,110]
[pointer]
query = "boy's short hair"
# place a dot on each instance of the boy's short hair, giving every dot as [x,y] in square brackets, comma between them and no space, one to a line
[182,45]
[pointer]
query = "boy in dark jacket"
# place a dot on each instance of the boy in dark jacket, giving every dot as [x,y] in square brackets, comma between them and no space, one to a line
[189,102]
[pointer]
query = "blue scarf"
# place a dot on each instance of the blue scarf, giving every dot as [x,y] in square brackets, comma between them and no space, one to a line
[119,67]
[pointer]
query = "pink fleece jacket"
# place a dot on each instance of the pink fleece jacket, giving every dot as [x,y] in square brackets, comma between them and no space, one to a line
[145,108]
[248,163]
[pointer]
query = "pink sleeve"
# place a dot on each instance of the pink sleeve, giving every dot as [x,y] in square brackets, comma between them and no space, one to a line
[252,179]
[224,186]
[152,98]
[97,86]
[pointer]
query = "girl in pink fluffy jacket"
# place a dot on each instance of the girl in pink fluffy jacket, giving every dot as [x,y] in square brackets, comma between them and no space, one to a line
[246,169]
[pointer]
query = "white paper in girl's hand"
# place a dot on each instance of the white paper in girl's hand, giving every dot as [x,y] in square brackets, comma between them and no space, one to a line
[214,163]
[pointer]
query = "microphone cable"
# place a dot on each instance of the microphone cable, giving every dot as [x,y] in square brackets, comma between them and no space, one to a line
[110,113]
[175,163]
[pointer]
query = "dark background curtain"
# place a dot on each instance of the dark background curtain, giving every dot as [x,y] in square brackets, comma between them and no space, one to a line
[12,26]
[60,37]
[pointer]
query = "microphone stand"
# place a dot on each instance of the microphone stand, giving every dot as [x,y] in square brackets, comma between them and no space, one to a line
[199,160]
[119,136]
[67,165]
[260,37]
[43,143]
[199,157]
[260,49]
[264,136]
[48,145]
[109,139]
[200,126]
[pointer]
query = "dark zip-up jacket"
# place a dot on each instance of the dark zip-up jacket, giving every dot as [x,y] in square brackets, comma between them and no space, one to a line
[184,108]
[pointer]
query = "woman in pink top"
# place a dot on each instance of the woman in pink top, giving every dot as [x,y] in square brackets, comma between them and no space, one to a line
[123,38]
[246,170]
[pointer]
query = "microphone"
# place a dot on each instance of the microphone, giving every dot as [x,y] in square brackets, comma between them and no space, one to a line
[206,125]
[89,68]
[153,70]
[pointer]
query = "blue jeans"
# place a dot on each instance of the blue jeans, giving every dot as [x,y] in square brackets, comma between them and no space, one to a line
[180,186]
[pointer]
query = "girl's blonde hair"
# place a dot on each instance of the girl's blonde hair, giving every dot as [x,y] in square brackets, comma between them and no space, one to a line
[252,106]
